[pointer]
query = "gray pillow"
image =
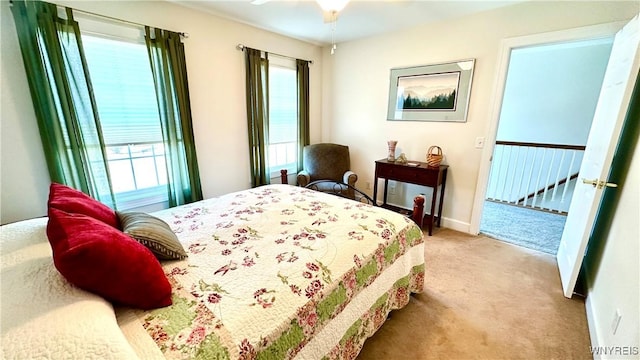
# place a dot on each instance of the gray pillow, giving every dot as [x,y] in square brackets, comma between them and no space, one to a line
[153,233]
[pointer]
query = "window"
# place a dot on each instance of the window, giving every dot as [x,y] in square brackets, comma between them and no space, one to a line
[128,110]
[139,95]
[283,116]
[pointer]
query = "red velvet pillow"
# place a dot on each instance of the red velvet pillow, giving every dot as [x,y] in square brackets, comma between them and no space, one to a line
[70,200]
[103,260]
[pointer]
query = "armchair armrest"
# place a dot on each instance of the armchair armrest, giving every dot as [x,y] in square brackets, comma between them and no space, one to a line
[303,178]
[350,178]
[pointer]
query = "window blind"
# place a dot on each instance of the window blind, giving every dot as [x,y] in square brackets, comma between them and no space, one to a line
[124,91]
[283,106]
[283,116]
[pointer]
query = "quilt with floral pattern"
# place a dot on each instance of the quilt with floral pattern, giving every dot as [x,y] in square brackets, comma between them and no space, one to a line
[282,272]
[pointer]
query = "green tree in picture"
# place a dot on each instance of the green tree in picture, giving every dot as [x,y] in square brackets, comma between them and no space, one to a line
[438,102]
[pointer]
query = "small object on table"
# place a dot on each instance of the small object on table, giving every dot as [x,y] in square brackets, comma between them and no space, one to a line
[402,159]
[434,156]
[391,157]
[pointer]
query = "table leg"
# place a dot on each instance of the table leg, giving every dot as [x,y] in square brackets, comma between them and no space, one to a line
[384,199]
[375,190]
[444,182]
[432,214]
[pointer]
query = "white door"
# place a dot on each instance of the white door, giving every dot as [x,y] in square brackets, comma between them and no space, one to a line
[617,86]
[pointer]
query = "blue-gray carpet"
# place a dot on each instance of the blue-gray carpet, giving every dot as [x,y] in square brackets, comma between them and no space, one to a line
[532,229]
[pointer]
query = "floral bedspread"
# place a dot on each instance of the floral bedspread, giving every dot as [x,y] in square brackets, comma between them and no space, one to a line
[280,272]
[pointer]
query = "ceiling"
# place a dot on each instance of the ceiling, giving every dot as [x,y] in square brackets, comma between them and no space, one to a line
[303,19]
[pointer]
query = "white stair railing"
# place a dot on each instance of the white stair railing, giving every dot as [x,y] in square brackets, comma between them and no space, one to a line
[534,175]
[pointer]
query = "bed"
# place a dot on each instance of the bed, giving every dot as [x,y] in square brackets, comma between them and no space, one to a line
[274,272]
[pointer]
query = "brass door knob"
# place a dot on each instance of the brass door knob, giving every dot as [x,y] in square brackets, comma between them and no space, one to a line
[598,183]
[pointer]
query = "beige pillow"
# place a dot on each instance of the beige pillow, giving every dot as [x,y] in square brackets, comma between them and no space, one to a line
[153,233]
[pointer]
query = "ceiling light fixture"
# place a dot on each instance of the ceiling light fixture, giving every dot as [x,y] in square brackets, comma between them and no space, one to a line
[331,9]
[332,5]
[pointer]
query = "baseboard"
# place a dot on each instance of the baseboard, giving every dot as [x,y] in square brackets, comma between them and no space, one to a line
[591,324]
[456,225]
[449,223]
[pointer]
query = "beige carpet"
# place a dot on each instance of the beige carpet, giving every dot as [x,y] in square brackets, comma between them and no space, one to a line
[484,299]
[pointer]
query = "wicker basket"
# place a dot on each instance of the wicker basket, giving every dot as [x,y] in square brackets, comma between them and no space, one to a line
[434,156]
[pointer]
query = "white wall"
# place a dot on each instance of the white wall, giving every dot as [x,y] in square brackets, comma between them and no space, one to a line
[552,91]
[359,82]
[216,84]
[24,182]
[616,284]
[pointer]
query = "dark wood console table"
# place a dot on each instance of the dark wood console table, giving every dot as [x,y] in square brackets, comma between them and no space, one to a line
[419,175]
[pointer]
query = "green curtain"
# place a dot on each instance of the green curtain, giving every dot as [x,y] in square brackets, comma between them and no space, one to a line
[257,80]
[166,54]
[303,108]
[60,88]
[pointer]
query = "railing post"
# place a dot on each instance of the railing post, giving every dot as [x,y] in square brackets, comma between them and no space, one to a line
[555,188]
[533,163]
[513,177]
[535,194]
[566,185]
[496,182]
[546,187]
[506,175]
[526,157]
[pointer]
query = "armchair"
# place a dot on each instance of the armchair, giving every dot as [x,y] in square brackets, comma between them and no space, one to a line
[327,162]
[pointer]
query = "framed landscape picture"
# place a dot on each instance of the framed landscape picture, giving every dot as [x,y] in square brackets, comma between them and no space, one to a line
[437,92]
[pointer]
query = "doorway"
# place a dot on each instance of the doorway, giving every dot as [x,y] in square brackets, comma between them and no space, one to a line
[550,95]
[577,34]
